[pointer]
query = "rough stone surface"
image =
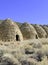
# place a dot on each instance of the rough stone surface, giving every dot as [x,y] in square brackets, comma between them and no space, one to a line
[28,31]
[14,31]
[9,30]
[41,32]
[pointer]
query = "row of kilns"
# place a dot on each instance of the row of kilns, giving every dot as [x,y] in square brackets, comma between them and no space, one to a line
[10,31]
[34,31]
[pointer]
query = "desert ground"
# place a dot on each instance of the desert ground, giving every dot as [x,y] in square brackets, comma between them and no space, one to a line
[27,52]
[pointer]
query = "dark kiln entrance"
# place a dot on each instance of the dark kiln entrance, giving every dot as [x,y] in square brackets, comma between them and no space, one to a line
[17,37]
[36,36]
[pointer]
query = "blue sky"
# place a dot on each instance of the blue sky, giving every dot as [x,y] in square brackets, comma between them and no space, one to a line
[32,11]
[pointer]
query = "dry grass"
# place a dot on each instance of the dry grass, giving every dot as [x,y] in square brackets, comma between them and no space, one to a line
[29,52]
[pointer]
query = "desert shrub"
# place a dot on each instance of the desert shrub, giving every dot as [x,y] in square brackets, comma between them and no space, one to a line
[47,54]
[37,44]
[24,62]
[9,60]
[31,51]
[1,54]
[44,41]
[32,61]
[45,50]
[39,55]
[18,55]
[13,52]
[43,62]
[29,62]
[28,49]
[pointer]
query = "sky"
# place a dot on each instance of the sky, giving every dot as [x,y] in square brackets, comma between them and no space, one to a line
[31,11]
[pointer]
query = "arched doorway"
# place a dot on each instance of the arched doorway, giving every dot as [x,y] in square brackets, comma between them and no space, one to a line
[36,36]
[17,37]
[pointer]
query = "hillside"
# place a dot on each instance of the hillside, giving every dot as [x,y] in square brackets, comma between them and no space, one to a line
[23,43]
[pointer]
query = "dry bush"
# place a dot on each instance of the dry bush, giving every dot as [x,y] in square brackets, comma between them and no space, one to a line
[37,45]
[29,61]
[9,60]
[45,50]
[43,62]
[32,61]
[28,49]
[24,53]
[44,41]
[38,55]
